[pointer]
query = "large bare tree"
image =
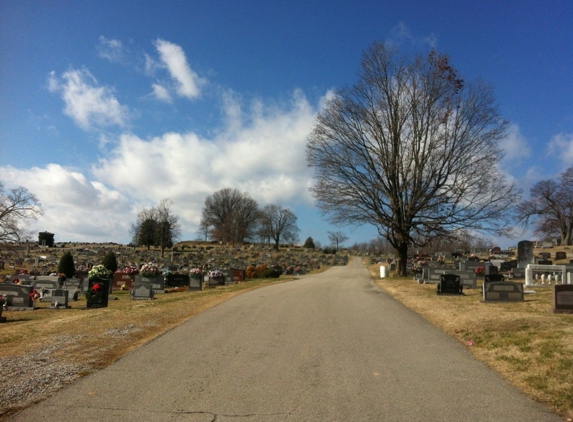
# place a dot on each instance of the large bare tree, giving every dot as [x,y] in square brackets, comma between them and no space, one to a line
[278,223]
[411,149]
[550,208]
[17,207]
[232,216]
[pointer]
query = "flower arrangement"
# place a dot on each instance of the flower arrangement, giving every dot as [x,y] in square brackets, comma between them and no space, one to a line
[216,274]
[3,301]
[480,270]
[130,269]
[196,273]
[35,295]
[149,270]
[99,271]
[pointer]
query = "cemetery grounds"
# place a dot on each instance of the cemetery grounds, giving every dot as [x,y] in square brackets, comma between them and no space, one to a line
[44,350]
[528,345]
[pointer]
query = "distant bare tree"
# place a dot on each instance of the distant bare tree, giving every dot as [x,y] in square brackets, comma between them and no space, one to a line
[168,225]
[550,208]
[278,223]
[156,226]
[17,207]
[232,216]
[412,150]
[337,239]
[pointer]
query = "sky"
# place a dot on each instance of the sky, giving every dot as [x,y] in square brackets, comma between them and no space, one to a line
[108,107]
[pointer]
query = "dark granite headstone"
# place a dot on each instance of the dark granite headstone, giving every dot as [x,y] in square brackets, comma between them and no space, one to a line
[503,291]
[525,253]
[450,285]
[563,298]
[560,255]
[177,280]
[97,293]
[508,265]
[544,262]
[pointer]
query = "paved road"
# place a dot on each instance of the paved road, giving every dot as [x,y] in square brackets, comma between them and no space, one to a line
[328,347]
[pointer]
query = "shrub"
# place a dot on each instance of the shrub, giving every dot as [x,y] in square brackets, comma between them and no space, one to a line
[110,261]
[67,265]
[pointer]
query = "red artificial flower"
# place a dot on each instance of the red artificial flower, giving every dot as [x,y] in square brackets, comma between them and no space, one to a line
[97,287]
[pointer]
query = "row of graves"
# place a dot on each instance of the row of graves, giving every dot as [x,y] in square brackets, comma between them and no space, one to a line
[505,280]
[190,269]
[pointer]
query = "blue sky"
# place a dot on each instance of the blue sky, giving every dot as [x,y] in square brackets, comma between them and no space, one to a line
[107,107]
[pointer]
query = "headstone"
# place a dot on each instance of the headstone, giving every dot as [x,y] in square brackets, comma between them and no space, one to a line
[120,279]
[563,298]
[196,283]
[45,287]
[503,291]
[59,299]
[142,290]
[18,296]
[544,262]
[450,285]
[177,280]
[97,293]
[157,283]
[560,255]
[524,253]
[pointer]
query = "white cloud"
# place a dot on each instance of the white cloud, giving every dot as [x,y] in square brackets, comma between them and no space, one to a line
[88,104]
[173,57]
[111,49]
[515,147]
[75,208]
[161,93]
[261,151]
[561,146]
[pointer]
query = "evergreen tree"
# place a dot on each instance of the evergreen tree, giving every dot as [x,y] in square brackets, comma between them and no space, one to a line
[67,265]
[110,261]
[309,244]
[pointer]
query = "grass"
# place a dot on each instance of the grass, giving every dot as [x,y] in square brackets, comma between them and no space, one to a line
[527,344]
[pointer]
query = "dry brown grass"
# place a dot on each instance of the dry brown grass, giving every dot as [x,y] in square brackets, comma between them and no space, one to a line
[529,346]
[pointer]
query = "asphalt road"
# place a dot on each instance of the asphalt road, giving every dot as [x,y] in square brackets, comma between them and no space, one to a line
[327,347]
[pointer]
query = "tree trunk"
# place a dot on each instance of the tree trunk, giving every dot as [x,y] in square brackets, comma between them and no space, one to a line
[402,250]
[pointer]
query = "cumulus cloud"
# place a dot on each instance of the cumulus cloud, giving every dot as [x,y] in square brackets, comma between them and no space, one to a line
[561,146]
[75,208]
[261,151]
[89,105]
[187,82]
[110,49]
